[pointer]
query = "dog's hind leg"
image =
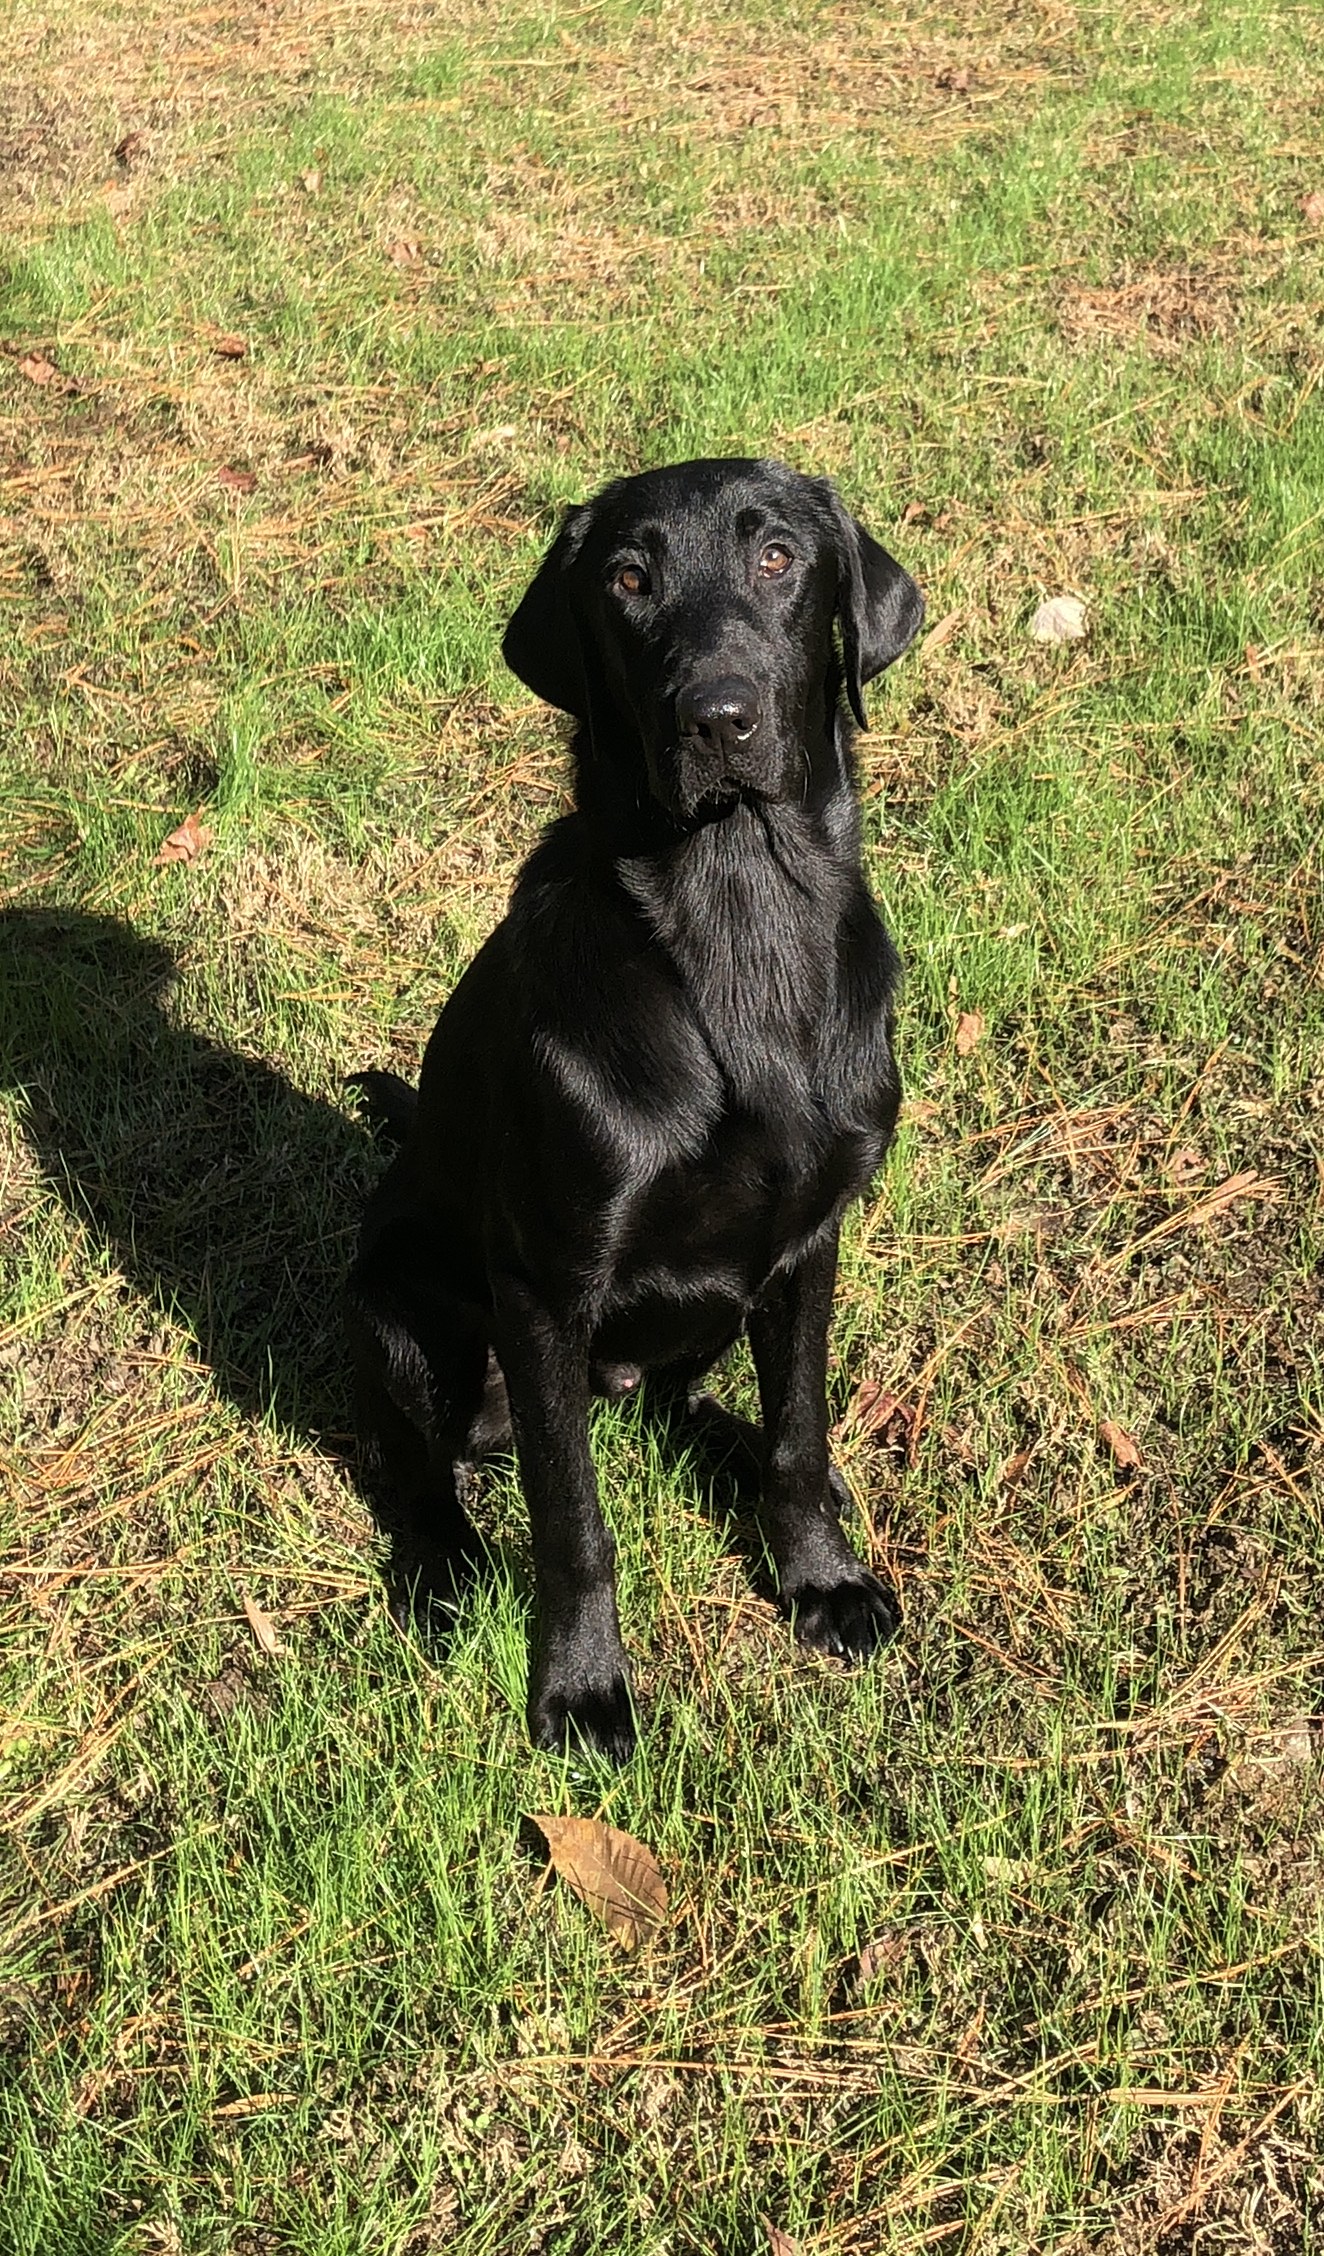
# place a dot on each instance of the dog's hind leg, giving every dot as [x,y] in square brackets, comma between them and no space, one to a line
[389,1102]
[425,1387]
[674,1399]
[677,1401]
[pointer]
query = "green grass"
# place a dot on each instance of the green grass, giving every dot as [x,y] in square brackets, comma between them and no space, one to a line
[1014,1943]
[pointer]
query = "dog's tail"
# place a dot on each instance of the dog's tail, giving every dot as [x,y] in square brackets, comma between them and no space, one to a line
[389,1103]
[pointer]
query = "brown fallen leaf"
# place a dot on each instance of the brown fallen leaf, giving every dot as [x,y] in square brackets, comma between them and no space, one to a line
[922,1110]
[230,348]
[262,1626]
[953,81]
[883,1417]
[1186,1166]
[407,251]
[237,481]
[1013,1472]
[915,513]
[1121,1446]
[1254,662]
[615,1875]
[887,1949]
[779,2243]
[969,1032]
[1312,207]
[186,843]
[128,151]
[37,368]
[311,181]
[885,1420]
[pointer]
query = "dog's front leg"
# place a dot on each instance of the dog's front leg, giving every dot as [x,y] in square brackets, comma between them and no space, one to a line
[579,1687]
[835,1603]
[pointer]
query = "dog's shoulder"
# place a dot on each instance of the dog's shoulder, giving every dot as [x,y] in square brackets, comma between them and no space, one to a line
[612,1036]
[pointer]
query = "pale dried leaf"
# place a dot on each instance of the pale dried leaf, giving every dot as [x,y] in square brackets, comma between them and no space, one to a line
[311,181]
[1284,1746]
[406,251]
[942,632]
[237,481]
[186,843]
[1015,1870]
[1186,1166]
[779,2243]
[1121,1446]
[969,1032]
[615,1875]
[37,368]
[1061,619]
[262,1626]
[1312,207]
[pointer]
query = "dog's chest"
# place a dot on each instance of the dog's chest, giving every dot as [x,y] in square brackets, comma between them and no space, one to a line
[715,1225]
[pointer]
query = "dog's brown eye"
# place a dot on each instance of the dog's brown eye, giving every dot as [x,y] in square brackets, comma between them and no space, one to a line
[632,579]
[774,561]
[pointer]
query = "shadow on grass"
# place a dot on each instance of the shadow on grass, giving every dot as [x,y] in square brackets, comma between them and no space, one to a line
[231,1201]
[228,1197]
[225,1194]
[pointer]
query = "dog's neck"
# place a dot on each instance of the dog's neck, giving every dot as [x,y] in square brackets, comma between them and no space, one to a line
[749,908]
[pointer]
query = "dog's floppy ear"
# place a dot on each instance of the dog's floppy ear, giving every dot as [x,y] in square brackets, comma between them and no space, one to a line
[880,607]
[541,644]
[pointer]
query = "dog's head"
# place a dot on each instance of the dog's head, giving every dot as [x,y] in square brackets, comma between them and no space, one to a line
[692,611]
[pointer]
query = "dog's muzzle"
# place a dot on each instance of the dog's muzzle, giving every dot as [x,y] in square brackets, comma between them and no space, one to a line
[719,752]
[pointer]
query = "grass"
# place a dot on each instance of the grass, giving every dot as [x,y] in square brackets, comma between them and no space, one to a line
[1013,1943]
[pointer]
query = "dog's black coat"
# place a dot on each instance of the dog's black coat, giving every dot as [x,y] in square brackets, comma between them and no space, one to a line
[659,1084]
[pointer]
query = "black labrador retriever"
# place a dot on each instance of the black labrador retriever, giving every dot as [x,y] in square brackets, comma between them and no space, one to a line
[667,1073]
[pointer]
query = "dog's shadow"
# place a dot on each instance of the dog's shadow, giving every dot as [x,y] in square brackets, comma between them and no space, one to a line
[229,1198]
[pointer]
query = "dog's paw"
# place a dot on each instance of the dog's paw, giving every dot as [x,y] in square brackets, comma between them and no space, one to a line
[432,1572]
[849,1619]
[593,1719]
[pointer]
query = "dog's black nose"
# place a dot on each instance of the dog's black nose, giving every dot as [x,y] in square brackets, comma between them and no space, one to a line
[722,712]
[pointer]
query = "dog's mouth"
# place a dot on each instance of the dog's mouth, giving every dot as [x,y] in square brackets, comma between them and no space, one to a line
[702,791]
[725,793]
[720,799]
